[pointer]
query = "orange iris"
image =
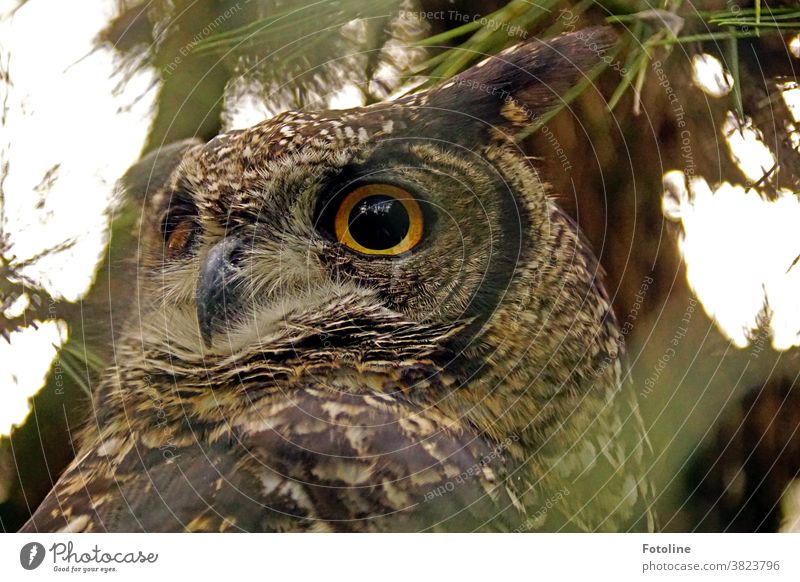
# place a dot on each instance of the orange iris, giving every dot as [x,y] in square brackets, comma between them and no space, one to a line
[379,219]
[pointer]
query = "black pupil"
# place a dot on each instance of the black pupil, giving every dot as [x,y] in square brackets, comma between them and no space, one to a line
[378,222]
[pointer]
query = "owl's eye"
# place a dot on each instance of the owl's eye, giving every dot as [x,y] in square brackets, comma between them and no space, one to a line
[178,226]
[179,238]
[379,219]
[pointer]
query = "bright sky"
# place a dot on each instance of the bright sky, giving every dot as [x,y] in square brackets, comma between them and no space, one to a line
[63,114]
[22,379]
[739,247]
[63,117]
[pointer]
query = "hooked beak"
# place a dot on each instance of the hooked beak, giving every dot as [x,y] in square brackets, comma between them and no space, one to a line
[216,295]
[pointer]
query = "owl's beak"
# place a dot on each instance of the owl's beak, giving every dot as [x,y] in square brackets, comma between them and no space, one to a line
[216,293]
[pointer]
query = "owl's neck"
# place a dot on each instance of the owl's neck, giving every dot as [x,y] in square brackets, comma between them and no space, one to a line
[351,344]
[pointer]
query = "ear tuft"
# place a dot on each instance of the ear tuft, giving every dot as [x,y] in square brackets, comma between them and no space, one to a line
[512,88]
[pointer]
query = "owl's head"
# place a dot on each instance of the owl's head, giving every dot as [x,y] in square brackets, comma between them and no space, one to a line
[404,232]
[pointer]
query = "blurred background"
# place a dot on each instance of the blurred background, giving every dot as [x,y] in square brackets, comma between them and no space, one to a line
[679,161]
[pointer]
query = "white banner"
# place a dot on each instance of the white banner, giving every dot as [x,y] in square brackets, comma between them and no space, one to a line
[407,557]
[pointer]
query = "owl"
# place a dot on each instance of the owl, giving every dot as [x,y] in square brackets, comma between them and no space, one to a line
[375,319]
